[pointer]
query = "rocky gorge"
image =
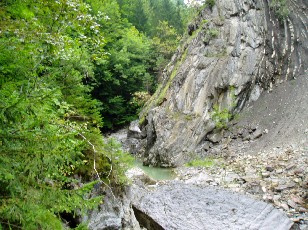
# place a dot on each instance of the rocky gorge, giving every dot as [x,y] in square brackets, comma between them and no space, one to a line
[235,93]
[237,50]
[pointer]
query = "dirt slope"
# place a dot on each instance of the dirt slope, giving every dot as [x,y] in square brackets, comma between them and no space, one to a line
[283,116]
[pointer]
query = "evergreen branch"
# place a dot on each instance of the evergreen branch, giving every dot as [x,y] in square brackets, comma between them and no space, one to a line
[13,225]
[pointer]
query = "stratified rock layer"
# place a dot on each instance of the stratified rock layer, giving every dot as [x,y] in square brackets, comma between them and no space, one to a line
[238,50]
[180,206]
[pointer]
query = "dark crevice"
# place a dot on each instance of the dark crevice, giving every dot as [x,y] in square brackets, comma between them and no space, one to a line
[70,219]
[146,221]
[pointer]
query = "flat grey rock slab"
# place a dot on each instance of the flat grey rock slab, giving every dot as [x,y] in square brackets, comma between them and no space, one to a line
[182,206]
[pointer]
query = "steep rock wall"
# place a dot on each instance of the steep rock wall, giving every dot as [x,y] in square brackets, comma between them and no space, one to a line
[236,50]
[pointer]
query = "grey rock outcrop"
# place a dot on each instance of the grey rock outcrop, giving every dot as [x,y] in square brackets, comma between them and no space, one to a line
[114,214]
[238,49]
[182,205]
[186,206]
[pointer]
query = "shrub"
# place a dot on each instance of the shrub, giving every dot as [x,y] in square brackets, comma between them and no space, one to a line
[280,8]
[221,117]
[210,3]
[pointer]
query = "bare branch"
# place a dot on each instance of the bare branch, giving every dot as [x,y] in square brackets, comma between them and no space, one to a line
[94,164]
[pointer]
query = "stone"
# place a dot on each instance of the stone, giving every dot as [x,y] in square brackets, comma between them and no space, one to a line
[201,178]
[215,137]
[285,206]
[269,168]
[177,206]
[265,174]
[231,176]
[115,213]
[292,204]
[297,180]
[282,187]
[289,167]
[279,171]
[134,131]
[297,199]
[254,188]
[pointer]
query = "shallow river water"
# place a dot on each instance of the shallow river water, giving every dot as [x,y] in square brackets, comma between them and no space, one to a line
[155,172]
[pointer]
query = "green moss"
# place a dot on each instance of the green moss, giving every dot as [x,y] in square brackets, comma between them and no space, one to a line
[172,76]
[233,96]
[220,117]
[204,21]
[213,33]
[188,117]
[150,103]
[161,91]
[206,162]
[280,8]
[210,34]
[210,3]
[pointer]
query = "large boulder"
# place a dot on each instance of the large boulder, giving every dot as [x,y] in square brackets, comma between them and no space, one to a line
[182,206]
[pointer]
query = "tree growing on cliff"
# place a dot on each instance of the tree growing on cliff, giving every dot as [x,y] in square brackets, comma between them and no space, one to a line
[280,8]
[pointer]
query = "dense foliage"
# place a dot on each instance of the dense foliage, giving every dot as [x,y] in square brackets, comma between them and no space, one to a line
[55,58]
[50,142]
[140,38]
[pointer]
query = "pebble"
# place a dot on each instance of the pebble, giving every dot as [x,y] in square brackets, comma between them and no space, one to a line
[269,168]
[297,199]
[265,175]
[285,206]
[279,171]
[278,177]
[292,204]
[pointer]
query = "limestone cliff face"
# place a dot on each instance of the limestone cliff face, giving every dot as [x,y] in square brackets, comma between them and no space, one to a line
[236,50]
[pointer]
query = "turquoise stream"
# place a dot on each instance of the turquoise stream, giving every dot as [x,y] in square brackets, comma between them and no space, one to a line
[155,172]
